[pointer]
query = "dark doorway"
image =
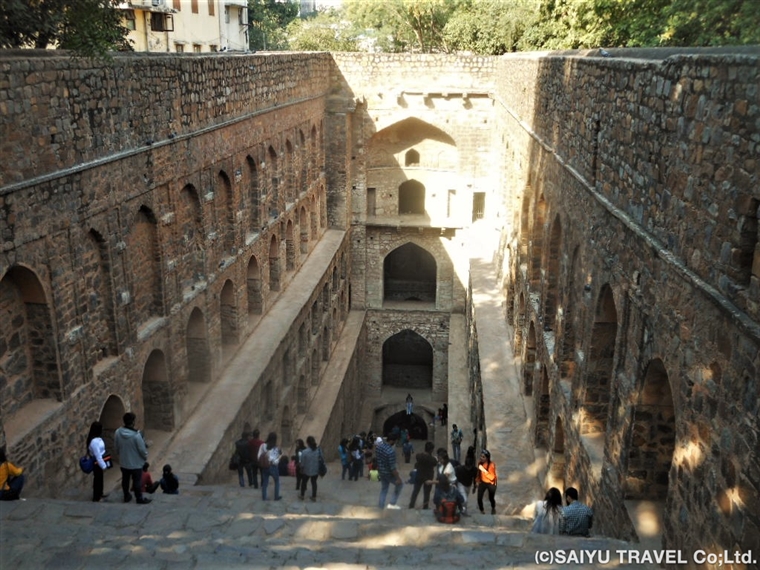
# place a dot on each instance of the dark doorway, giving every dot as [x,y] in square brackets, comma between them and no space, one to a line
[413,423]
[407,361]
[409,274]
[478,205]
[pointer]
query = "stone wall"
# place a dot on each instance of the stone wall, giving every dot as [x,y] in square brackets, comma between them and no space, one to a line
[637,211]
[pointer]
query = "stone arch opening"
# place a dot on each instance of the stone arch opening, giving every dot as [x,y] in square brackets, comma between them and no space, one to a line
[145,261]
[525,224]
[537,242]
[253,282]
[409,274]
[290,247]
[315,367]
[567,344]
[519,322]
[325,344]
[411,197]
[543,410]
[413,423]
[412,158]
[556,472]
[288,367]
[29,361]
[530,360]
[552,275]
[111,417]
[228,315]
[742,259]
[191,239]
[653,437]
[197,348]
[303,394]
[226,213]
[158,400]
[303,158]
[287,175]
[96,268]
[274,264]
[274,182]
[303,226]
[254,197]
[407,361]
[598,385]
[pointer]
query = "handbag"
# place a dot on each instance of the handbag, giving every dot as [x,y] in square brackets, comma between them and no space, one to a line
[234,462]
[322,465]
[87,463]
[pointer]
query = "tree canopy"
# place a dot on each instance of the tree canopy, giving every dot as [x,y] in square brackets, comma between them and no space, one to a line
[268,20]
[90,28]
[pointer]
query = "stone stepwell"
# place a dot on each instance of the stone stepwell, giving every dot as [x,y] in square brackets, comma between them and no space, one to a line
[226,526]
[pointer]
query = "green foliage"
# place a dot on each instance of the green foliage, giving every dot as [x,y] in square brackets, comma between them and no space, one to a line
[326,31]
[711,23]
[490,27]
[268,21]
[91,28]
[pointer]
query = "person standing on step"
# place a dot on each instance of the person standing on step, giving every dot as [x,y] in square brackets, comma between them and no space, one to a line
[244,453]
[425,466]
[96,447]
[310,467]
[466,475]
[345,459]
[269,462]
[486,480]
[132,451]
[409,404]
[385,454]
[254,443]
[456,444]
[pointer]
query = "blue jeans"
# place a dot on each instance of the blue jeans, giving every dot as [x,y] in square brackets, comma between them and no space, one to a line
[248,468]
[385,483]
[273,472]
[346,469]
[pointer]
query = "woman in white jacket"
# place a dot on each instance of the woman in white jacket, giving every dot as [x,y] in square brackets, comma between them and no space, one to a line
[548,511]
[96,447]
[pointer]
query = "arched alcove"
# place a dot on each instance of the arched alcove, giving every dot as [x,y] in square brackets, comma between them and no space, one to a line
[653,436]
[598,384]
[274,264]
[407,361]
[158,400]
[409,274]
[197,348]
[228,315]
[530,360]
[412,158]
[411,197]
[413,423]
[253,282]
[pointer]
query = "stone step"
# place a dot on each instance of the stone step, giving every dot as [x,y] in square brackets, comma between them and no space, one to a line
[225,526]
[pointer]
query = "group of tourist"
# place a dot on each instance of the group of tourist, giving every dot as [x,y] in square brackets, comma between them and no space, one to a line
[253,456]
[130,446]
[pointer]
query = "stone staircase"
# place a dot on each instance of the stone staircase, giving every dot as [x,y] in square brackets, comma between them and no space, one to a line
[226,526]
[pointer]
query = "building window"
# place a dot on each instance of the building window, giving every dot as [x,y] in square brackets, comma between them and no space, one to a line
[180,48]
[177,5]
[226,14]
[196,48]
[129,19]
[194,6]
[213,48]
[242,19]
[161,22]
[211,8]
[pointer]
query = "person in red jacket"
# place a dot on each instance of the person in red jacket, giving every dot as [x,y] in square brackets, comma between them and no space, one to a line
[253,446]
[486,480]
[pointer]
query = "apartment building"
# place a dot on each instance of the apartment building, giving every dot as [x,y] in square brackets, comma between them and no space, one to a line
[187,26]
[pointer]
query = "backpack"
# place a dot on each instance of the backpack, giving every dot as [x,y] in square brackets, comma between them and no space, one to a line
[447,512]
[264,462]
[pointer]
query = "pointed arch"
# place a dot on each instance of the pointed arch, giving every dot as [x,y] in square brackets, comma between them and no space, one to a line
[552,275]
[29,360]
[228,315]
[567,344]
[158,401]
[274,264]
[303,226]
[409,274]
[225,212]
[98,303]
[253,282]
[254,195]
[274,174]
[408,361]
[145,261]
[191,247]
[290,247]
[598,385]
[537,243]
[653,436]
[197,348]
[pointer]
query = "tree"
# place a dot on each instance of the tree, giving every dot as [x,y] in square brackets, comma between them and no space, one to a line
[405,25]
[268,20]
[490,27]
[326,31]
[90,28]
[711,23]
